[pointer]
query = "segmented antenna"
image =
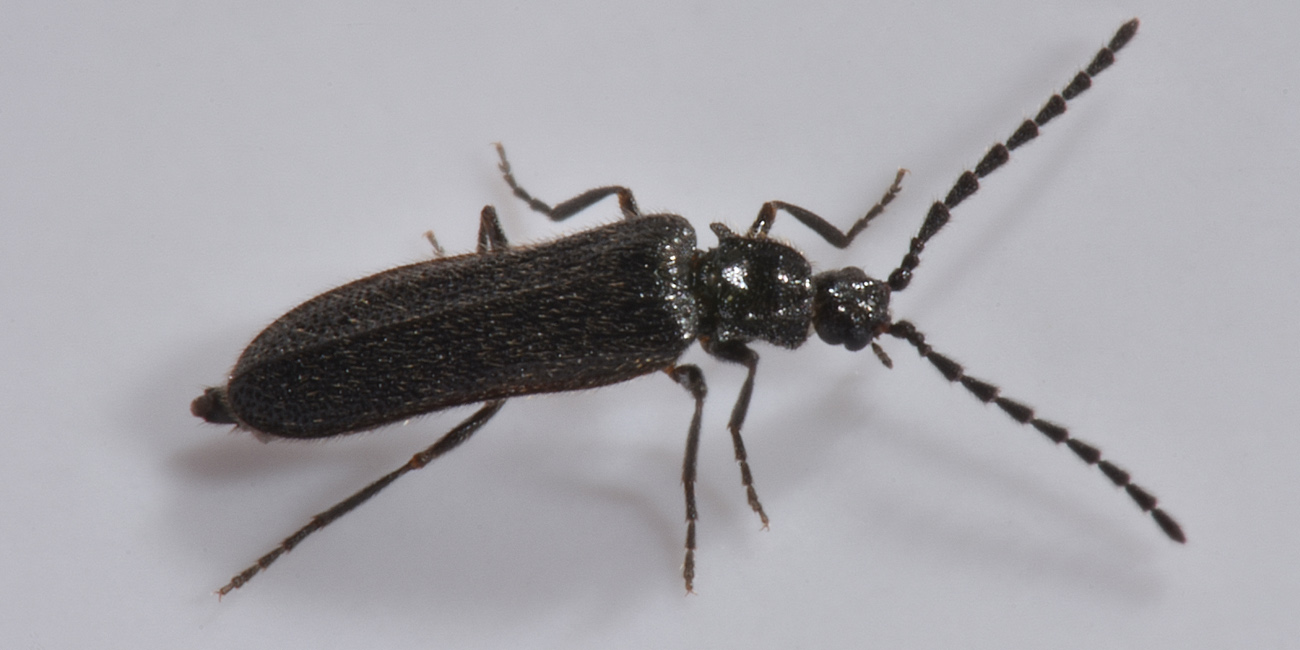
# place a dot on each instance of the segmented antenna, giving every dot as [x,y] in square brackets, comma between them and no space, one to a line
[968,183]
[986,392]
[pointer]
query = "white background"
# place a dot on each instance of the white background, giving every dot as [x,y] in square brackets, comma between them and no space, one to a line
[173,178]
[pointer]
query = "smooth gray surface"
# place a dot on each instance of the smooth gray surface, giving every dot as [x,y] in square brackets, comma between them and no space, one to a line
[174,178]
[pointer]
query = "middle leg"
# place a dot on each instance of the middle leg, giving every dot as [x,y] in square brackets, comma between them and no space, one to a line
[742,354]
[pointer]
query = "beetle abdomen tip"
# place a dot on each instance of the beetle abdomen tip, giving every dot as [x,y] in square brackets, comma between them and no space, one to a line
[211,406]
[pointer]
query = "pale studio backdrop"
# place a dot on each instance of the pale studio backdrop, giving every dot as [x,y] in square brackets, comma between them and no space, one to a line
[175,177]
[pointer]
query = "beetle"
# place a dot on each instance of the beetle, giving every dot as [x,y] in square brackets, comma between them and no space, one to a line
[591,309]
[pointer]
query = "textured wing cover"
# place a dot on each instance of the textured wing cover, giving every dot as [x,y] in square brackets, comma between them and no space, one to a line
[596,308]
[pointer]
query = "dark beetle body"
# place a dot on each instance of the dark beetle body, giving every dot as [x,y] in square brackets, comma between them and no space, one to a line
[595,308]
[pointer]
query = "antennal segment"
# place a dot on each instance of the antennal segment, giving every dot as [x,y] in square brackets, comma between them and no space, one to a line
[986,392]
[968,183]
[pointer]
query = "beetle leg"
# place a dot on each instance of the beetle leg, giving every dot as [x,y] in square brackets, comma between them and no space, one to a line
[837,238]
[490,235]
[740,353]
[437,248]
[573,206]
[449,441]
[690,377]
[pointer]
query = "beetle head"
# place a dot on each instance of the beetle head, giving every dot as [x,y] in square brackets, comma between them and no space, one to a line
[849,308]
